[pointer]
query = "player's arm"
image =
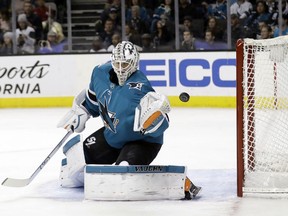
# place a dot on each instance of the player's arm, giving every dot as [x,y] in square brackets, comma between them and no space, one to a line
[151,114]
[84,106]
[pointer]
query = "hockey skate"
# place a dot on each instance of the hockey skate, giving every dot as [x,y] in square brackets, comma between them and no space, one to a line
[191,190]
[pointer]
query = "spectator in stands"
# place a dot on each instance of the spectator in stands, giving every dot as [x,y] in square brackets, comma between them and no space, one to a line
[284,27]
[7,46]
[144,16]
[194,26]
[115,17]
[161,37]
[25,36]
[51,45]
[105,13]
[237,31]
[164,12]
[242,8]
[260,14]
[137,24]
[209,43]
[266,32]
[187,43]
[116,38]
[187,9]
[5,22]
[150,6]
[274,11]
[272,5]
[131,35]
[97,45]
[169,9]
[217,9]
[168,23]
[52,23]
[41,10]
[147,45]
[107,33]
[217,29]
[158,11]
[34,21]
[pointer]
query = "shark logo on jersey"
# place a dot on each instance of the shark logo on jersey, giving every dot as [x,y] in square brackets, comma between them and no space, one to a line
[108,117]
[135,85]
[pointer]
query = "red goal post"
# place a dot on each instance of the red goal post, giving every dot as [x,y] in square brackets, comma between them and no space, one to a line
[262,117]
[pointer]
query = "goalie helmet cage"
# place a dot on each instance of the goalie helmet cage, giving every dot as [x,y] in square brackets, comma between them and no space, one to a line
[262,117]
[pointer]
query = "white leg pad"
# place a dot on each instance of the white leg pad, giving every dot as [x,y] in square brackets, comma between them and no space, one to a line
[72,167]
[66,180]
[108,182]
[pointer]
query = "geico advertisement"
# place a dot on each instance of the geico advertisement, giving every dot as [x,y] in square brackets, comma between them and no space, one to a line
[198,73]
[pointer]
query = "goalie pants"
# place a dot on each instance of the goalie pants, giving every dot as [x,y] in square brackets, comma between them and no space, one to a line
[98,151]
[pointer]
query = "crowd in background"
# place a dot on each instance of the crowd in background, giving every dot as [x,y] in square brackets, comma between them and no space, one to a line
[37,28]
[149,24]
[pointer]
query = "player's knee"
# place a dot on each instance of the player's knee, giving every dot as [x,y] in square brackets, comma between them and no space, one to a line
[124,163]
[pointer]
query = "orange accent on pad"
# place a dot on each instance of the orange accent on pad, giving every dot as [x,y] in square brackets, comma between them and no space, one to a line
[187,184]
[151,119]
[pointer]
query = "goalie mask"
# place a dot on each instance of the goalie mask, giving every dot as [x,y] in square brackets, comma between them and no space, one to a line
[125,60]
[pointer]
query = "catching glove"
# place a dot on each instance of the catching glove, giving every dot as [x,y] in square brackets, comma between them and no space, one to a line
[151,112]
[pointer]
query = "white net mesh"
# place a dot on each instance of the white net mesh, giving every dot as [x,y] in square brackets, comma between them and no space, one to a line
[265,86]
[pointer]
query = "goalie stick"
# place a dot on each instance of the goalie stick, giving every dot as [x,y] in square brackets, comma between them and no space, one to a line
[11,182]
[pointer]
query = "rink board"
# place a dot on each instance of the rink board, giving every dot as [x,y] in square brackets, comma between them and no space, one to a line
[138,182]
[54,80]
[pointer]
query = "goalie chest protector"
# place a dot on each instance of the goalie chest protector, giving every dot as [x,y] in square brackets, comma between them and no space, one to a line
[137,182]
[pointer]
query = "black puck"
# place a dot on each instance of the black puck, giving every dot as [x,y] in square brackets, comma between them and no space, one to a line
[184,97]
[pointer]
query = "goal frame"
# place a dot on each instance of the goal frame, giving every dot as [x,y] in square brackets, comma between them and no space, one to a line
[250,103]
[239,118]
[240,114]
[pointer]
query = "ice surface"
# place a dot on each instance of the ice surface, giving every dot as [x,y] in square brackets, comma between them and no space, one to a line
[202,139]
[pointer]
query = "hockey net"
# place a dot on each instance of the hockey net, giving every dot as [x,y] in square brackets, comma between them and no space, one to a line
[262,116]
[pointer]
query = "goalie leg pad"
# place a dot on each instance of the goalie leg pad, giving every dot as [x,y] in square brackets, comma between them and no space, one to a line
[72,167]
[65,180]
[134,182]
